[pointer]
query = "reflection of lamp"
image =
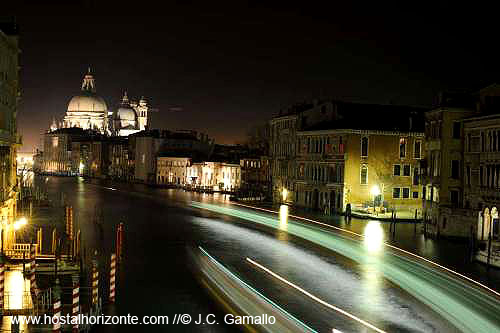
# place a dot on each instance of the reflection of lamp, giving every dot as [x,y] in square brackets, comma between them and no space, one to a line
[283,217]
[373,237]
[375,191]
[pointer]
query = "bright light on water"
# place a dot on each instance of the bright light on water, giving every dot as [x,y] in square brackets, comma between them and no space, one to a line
[374,237]
[283,217]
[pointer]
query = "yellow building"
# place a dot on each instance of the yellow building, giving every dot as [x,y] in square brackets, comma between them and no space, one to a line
[329,155]
[10,141]
[362,168]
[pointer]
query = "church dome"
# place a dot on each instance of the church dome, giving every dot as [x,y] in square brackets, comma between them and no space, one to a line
[125,113]
[88,102]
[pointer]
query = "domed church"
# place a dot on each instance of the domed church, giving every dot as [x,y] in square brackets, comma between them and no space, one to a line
[87,110]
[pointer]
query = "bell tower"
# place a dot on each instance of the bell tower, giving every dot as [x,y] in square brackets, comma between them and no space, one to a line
[142,114]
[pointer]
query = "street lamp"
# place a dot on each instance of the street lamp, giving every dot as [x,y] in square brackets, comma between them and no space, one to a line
[284,194]
[375,191]
[20,223]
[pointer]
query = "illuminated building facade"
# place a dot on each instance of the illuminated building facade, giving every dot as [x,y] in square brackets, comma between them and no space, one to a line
[461,166]
[215,176]
[87,110]
[172,170]
[10,141]
[329,154]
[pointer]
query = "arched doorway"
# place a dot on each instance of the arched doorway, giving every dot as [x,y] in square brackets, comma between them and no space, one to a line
[486,223]
[494,222]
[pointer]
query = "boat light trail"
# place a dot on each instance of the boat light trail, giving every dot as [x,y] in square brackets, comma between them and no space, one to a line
[317,299]
[259,294]
[496,293]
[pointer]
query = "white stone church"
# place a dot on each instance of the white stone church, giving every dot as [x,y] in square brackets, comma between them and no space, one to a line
[88,110]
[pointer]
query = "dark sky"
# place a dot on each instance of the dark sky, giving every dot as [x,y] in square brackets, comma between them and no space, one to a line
[230,66]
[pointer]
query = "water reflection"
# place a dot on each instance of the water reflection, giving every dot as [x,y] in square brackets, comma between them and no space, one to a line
[16,295]
[371,276]
[282,233]
[283,217]
[373,237]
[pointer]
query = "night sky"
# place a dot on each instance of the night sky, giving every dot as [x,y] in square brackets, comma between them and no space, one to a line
[232,66]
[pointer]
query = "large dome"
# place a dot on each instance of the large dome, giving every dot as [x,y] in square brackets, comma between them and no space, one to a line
[87,103]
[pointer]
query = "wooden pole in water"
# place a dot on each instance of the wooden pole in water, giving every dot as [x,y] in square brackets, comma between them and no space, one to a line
[33,286]
[95,281]
[2,279]
[112,278]
[77,243]
[54,241]
[489,247]
[119,242]
[39,239]
[69,229]
[76,302]
[56,324]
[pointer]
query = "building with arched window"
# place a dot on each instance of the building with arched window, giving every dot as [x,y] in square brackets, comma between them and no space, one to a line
[330,154]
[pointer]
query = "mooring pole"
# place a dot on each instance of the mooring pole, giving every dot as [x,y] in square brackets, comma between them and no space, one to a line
[76,301]
[112,278]
[56,324]
[2,279]
[95,281]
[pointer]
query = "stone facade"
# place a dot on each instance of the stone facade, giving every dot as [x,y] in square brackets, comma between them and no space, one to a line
[461,169]
[215,176]
[10,141]
[328,154]
[360,168]
[172,170]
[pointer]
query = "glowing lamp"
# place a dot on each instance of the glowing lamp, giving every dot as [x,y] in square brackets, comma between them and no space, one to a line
[284,194]
[375,190]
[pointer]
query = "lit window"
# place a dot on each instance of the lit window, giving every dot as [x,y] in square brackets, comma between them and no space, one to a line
[364,175]
[402,147]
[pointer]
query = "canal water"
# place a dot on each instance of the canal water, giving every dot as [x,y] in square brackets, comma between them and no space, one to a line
[156,278]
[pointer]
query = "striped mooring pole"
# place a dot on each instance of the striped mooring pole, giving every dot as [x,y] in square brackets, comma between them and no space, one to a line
[56,324]
[95,282]
[69,227]
[33,286]
[112,278]
[76,303]
[119,242]
[2,279]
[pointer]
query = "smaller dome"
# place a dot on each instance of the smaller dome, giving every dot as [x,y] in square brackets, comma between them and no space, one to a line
[125,113]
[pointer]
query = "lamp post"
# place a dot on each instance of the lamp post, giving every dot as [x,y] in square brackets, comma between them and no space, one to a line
[284,194]
[375,191]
